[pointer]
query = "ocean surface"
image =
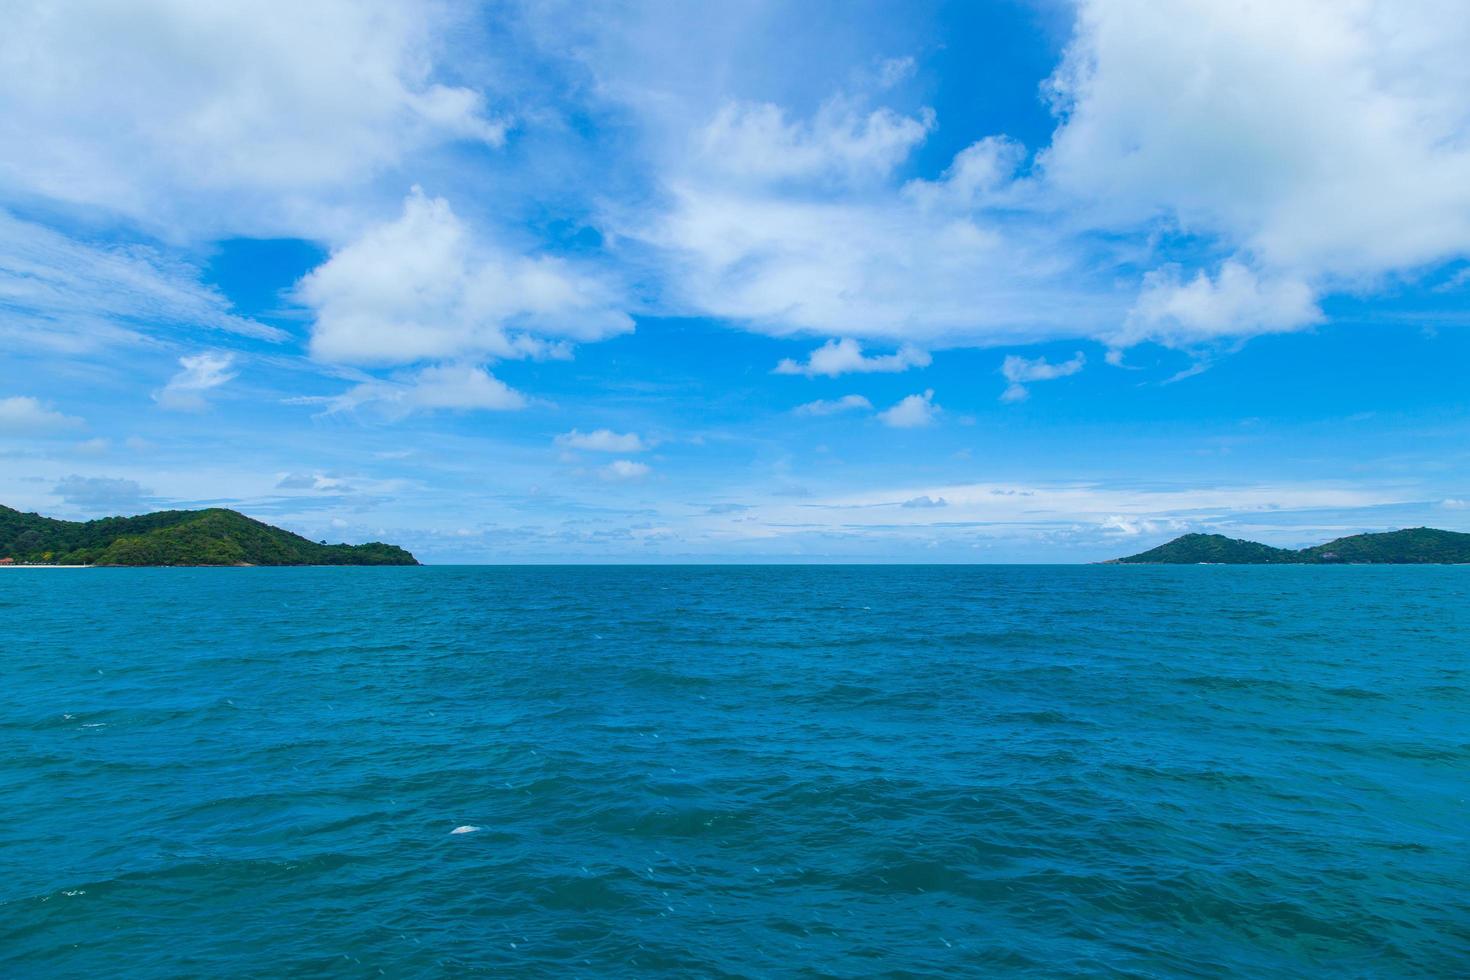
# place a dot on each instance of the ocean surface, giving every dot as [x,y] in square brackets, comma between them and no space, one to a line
[752,771]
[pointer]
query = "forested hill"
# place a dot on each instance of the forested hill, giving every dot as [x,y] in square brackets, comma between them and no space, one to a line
[1412,546]
[176,537]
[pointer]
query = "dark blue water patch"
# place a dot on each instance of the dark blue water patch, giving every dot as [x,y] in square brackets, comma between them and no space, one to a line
[736,771]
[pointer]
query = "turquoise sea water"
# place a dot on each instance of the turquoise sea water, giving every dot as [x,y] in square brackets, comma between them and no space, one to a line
[703,771]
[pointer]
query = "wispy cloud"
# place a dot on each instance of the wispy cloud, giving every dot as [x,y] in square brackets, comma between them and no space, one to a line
[840,142]
[187,391]
[602,441]
[71,296]
[1021,371]
[456,387]
[835,406]
[624,470]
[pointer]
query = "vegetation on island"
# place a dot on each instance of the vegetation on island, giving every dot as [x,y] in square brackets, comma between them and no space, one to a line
[176,537]
[1412,546]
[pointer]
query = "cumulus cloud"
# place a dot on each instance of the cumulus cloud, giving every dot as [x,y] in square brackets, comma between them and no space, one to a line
[424,287]
[1236,303]
[621,470]
[1325,146]
[246,113]
[602,441]
[1327,139]
[911,412]
[22,415]
[187,390]
[835,406]
[1021,371]
[955,261]
[877,267]
[981,174]
[99,492]
[924,502]
[463,387]
[1135,526]
[846,356]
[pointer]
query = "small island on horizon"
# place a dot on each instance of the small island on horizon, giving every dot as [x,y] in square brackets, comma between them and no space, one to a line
[1410,546]
[216,536]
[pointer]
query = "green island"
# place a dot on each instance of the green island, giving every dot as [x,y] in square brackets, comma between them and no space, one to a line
[175,537]
[1411,546]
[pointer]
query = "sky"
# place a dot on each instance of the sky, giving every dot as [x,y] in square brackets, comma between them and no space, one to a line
[745,282]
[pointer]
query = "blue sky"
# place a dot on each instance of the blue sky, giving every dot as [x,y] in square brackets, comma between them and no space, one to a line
[751,282]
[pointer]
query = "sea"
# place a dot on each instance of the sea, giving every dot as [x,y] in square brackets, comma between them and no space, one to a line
[796,771]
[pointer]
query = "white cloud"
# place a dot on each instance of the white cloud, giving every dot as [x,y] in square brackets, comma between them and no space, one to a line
[463,387]
[1236,303]
[623,470]
[195,114]
[836,406]
[895,71]
[1095,504]
[980,174]
[846,356]
[199,374]
[602,441]
[318,482]
[877,267]
[911,412]
[748,141]
[63,295]
[1327,139]
[1134,526]
[1324,145]
[423,287]
[25,416]
[1021,371]
[1455,503]
[962,260]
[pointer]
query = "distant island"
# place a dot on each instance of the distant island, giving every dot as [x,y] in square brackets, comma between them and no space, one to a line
[175,537]
[1412,546]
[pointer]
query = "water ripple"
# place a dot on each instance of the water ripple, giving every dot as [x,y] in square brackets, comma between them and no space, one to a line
[736,772]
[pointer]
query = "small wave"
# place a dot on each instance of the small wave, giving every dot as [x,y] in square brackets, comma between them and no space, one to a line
[465,829]
[1356,693]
